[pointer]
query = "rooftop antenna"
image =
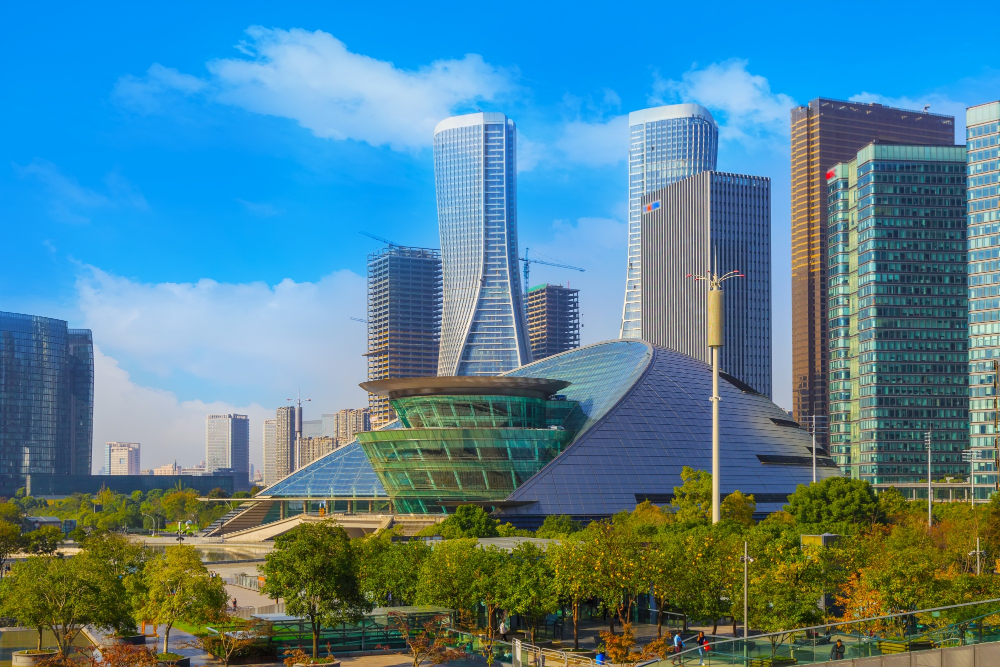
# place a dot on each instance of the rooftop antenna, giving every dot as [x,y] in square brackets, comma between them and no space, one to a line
[298,413]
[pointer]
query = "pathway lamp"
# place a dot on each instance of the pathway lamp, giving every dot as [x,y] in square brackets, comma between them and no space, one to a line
[155,521]
[715,326]
[977,553]
[746,560]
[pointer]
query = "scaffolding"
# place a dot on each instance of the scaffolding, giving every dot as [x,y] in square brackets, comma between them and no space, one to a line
[404,319]
[553,320]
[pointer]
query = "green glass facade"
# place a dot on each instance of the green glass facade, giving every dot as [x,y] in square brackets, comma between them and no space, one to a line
[455,449]
[898,312]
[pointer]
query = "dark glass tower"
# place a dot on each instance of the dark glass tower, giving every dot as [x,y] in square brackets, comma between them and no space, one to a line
[826,132]
[898,308]
[404,319]
[46,399]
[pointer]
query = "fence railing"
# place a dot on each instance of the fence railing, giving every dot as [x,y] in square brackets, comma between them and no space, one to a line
[244,580]
[940,627]
[516,652]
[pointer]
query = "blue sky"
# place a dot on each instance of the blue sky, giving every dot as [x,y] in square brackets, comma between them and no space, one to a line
[189,180]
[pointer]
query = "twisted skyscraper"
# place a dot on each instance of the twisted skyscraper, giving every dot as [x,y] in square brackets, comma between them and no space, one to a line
[483,329]
[666,144]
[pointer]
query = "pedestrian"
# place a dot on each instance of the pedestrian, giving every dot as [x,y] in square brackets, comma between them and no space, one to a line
[234,603]
[702,647]
[678,647]
[503,629]
[837,651]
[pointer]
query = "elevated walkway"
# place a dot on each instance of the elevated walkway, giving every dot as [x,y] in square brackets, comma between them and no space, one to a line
[356,525]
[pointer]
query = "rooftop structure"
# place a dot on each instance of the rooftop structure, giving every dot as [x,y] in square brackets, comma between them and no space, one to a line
[121,458]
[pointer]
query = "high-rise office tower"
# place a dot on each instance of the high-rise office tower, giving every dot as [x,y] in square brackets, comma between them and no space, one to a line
[311,448]
[227,445]
[483,331]
[553,320]
[348,422]
[404,319]
[898,316]
[312,428]
[983,182]
[666,144]
[121,458]
[711,221]
[826,132]
[270,451]
[46,399]
[284,447]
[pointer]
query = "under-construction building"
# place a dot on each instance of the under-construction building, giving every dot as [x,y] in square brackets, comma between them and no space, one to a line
[553,320]
[404,319]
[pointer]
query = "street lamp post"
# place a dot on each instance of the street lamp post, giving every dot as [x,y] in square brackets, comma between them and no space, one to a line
[746,560]
[156,523]
[930,491]
[978,552]
[715,326]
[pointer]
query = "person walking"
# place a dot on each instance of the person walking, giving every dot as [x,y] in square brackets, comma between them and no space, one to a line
[503,629]
[703,647]
[678,647]
[837,651]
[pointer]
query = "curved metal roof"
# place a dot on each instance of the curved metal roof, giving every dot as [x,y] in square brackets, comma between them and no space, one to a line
[466,385]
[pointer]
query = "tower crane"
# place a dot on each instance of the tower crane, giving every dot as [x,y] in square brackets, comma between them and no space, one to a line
[379,238]
[527,266]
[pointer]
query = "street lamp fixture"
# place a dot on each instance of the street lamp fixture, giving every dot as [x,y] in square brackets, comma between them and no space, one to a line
[977,553]
[715,329]
[155,522]
[746,560]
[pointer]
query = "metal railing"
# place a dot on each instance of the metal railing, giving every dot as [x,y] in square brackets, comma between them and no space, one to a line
[939,627]
[516,652]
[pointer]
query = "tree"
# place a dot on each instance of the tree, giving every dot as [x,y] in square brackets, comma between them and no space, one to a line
[834,500]
[571,577]
[43,541]
[615,554]
[179,587]
[526,582]
[739,508]
[558,525]
[124,559]
[693,498]
[621,648]
[62,596]
[11,542]
[487,584]
[447,578]
[389,571]
[426,646]
[665,571]
[11,513]
[467,521]
[313,568]
[180,505]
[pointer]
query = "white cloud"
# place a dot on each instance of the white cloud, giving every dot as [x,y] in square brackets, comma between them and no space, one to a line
[312,78]
[939,103]
[748,111]
[71,202]
[261,209]
[252,341]
[600,246]
[595,144]
[168,429]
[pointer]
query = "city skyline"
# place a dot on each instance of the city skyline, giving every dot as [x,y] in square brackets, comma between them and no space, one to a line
[188,330]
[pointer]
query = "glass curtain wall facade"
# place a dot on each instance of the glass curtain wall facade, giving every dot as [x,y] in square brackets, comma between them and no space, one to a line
[826,132]
[46,399]
[404,319]
[270,454]
[666,144]
[898,313]
[710,219]
[483,330]
[983,157]
[553,320]
[227,445]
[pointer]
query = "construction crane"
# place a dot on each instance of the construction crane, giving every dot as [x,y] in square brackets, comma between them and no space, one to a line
[527,265]
[379,238]
[358,319]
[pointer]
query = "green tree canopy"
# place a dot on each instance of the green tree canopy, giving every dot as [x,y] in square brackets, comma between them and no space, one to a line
[313,568]
[836,500]
[692,501]
[389,571]
[179,587]
[447,577]
[467,521]
[558,525]
[11,542]
[526,585]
